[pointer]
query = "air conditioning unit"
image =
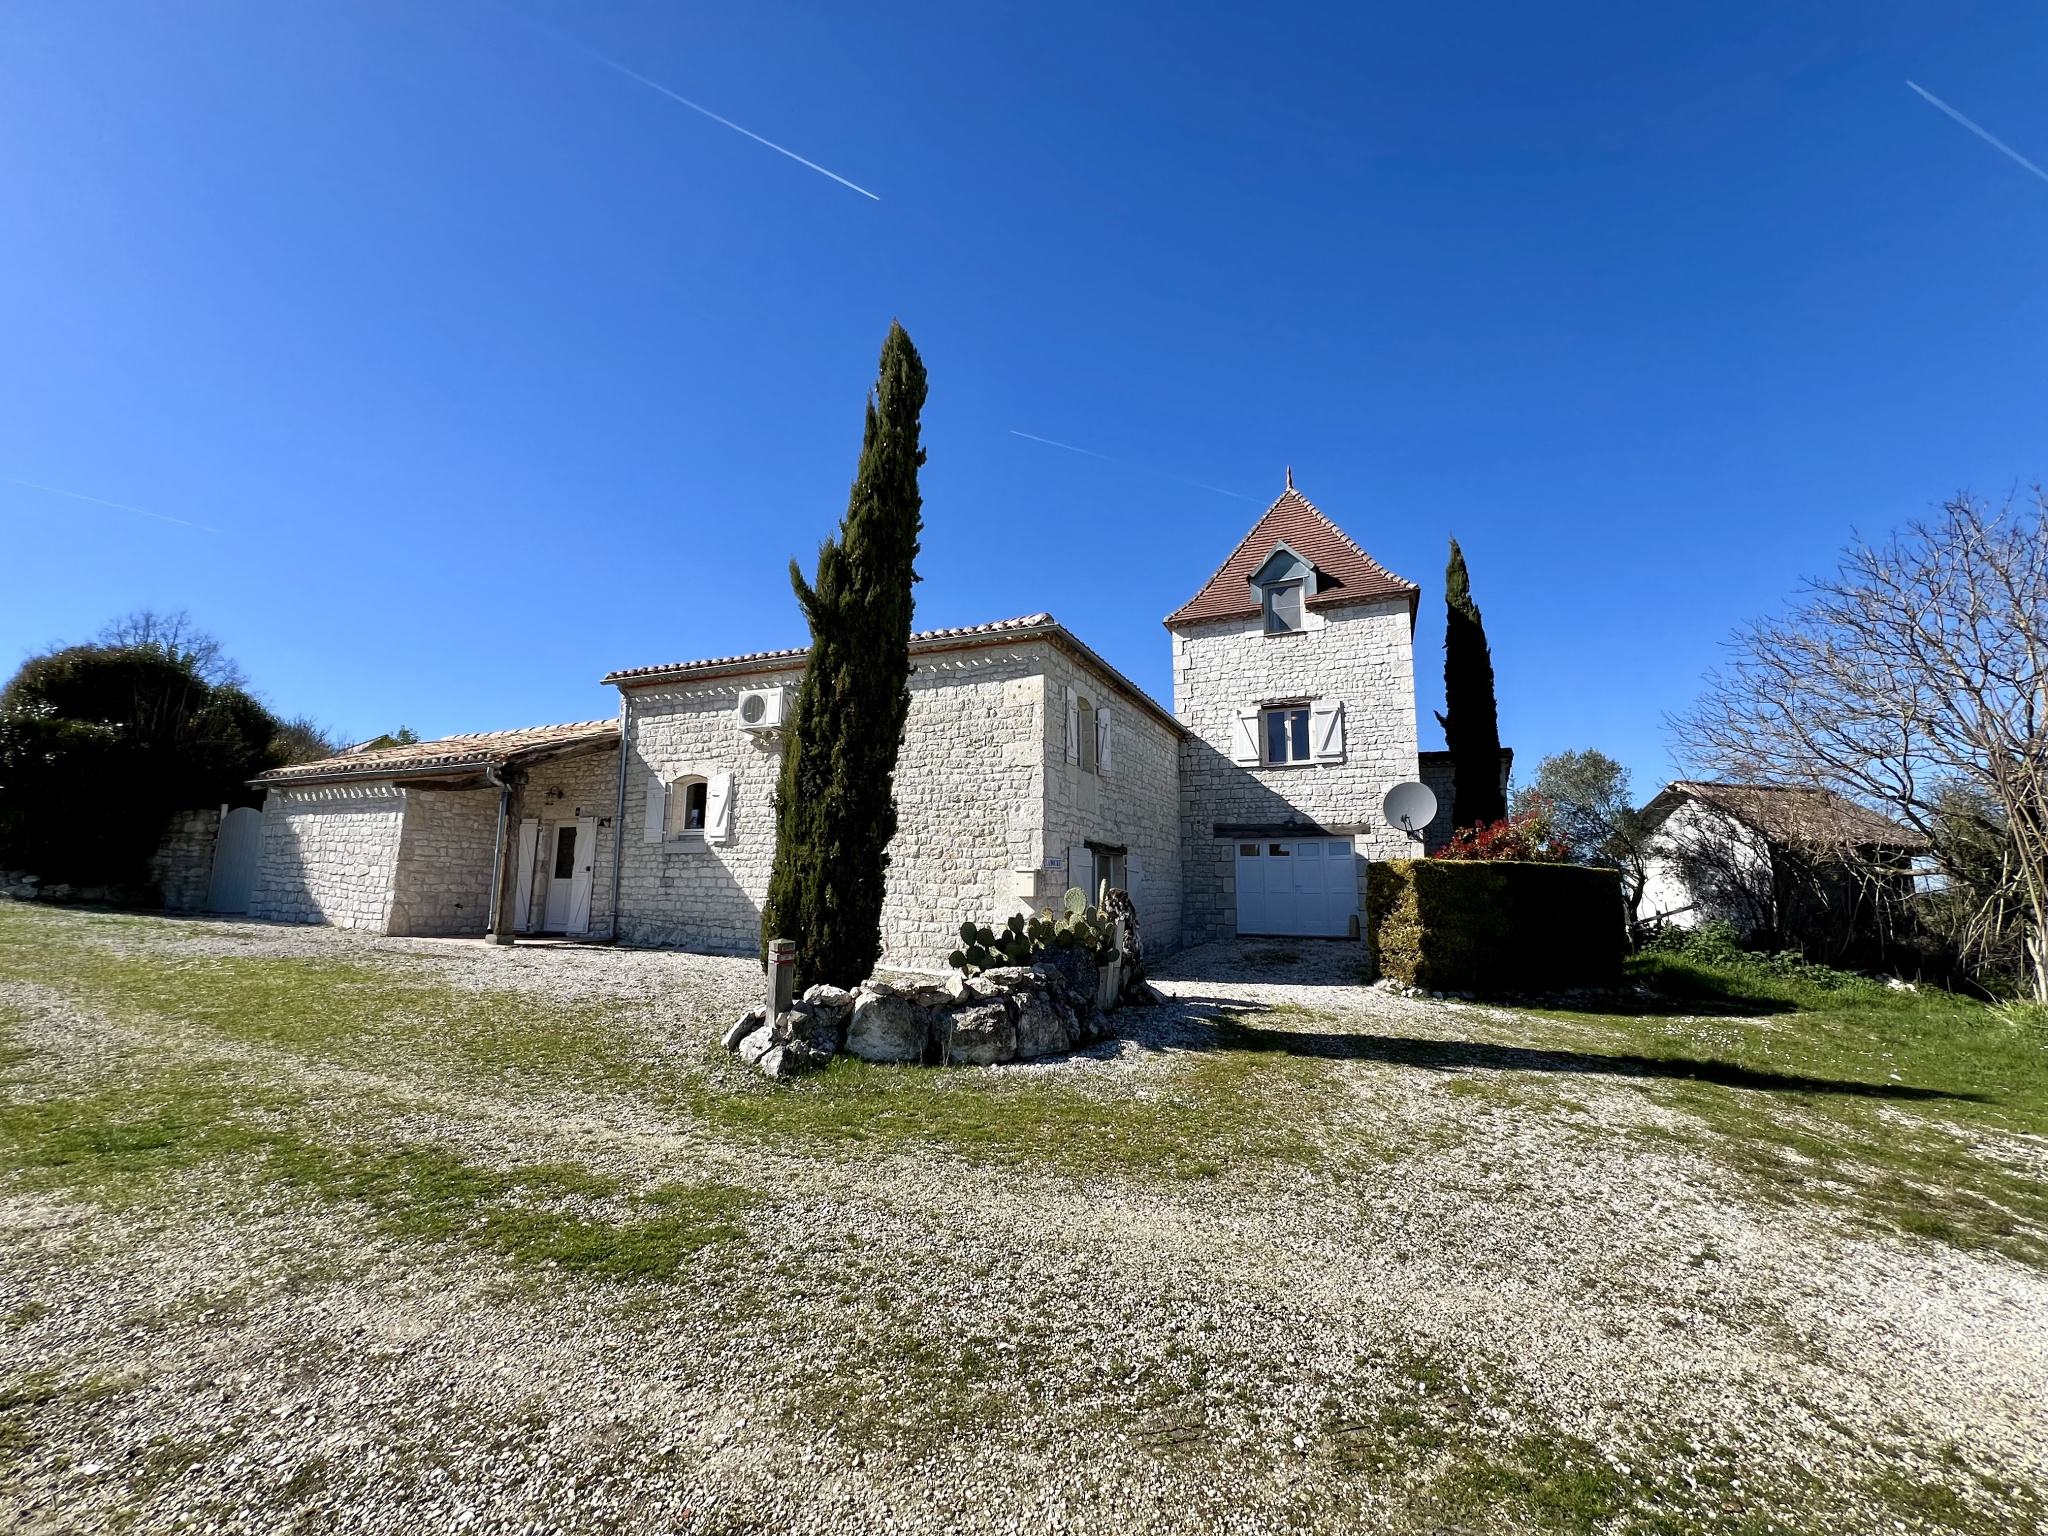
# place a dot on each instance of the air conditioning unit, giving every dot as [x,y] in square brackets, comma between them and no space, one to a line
[762,709]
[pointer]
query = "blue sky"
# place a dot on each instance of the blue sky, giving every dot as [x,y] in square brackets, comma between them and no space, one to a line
[488,369]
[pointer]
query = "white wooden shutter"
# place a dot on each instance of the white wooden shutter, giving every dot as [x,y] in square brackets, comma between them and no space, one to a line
[1073,727]
[1326,730]
[1134,877]
[655,829]
[718,809]
[528,854]
[1102,740]
[1081,869]
[1244,740]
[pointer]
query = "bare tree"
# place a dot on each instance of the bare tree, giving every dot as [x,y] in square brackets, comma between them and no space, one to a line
[178,640]
[1917,671]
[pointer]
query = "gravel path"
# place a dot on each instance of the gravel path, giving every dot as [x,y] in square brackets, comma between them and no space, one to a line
[1505,1300]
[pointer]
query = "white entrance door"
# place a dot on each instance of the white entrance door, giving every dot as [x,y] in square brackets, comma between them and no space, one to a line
[235,848]
[572,859]
[1299,887]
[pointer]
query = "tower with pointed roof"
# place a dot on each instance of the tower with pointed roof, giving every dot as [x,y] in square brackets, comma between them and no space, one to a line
[1294,676]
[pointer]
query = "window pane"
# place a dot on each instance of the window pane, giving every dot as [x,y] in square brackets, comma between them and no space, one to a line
[1249,850]
[1279,851]
[693,806]
[1276,737]
[1283,607]
[565,852]
[1340,850]
[1298,719]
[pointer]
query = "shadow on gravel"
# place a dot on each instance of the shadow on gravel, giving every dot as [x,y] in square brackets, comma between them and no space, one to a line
[1478,1055]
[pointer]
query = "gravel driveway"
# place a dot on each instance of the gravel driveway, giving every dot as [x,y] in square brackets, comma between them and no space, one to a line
[1427,1278]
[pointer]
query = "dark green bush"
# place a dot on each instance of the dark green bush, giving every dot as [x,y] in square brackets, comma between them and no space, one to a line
[1455,926]
[1720,944]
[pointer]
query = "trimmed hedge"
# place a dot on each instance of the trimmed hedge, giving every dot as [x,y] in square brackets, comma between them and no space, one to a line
[1455,925]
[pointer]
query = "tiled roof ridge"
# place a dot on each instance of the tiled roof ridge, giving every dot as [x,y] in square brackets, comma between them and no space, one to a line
[442,751]
[1023,621]
[1218,599]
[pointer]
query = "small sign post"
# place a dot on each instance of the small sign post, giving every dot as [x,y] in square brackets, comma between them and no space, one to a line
[781,977]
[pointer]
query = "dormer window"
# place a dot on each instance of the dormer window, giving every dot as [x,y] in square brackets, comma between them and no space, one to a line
[1283,583]
[1283,607]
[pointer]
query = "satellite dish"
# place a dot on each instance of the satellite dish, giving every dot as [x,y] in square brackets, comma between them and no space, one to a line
[1411,807]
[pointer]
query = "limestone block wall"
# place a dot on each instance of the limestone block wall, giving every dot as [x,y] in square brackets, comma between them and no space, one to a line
[684,892]
[976,818]
[969,799]
[443,879]
[330,855]
[1362,654]
[182,866]
[567,789]
[1134,805]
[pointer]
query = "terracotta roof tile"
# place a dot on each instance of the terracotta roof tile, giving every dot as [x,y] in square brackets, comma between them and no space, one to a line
[1344,572]
[930,639]
[456,752]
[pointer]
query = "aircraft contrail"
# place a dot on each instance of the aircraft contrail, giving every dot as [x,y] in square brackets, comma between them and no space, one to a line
[656,85]
[1091,453]
[98,501]
[1995,143]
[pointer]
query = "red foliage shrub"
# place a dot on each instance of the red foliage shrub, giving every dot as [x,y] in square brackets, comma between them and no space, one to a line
[1525,839]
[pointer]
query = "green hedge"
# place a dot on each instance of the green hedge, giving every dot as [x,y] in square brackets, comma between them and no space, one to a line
[1455,925]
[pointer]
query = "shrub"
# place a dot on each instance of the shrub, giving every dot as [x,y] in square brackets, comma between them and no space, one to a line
[1494,925]
[1022,941]
[1720,944]
[1527,838]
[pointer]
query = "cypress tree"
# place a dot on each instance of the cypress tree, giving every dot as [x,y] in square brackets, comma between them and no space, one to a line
[1470,720]
[835,804]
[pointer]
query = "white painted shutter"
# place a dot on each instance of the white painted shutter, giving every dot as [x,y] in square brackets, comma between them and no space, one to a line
[1102,740]
[1326,730]
[1244,740]
[528,855]
[718,809]
[1134,877]
[1081,869]
[655,829]
[1073,727]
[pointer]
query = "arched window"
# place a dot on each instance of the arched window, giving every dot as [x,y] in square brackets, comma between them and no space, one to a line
[690,797]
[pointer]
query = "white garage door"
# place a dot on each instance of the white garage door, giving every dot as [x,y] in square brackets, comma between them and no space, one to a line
[1297,886]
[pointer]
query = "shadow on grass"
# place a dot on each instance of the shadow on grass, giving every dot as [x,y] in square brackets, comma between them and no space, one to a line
[1482,1056]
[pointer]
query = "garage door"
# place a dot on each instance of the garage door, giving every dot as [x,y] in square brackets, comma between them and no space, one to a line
[1297,886]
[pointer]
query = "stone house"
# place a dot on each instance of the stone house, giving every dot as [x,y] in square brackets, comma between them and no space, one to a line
[1029,764]
[1785,866]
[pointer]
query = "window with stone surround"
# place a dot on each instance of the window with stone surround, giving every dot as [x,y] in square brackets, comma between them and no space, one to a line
[1285,734]
[689,798]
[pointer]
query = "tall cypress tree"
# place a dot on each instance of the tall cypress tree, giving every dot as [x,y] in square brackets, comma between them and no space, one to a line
[835,805]
[1470,720]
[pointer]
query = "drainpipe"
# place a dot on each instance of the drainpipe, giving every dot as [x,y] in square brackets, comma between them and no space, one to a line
[493,934]
[619,817]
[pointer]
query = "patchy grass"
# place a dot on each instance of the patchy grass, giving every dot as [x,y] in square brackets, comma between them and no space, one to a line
[1898,1106]
[1231,1105]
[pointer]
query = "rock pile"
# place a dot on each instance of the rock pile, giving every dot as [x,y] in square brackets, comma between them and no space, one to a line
[1015,1013]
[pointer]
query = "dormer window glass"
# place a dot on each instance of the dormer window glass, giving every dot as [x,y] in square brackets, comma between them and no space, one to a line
[1283,607]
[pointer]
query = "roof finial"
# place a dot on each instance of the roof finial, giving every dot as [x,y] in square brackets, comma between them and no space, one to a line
[1290,477]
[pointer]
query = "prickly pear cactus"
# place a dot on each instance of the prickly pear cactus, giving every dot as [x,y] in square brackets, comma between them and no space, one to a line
[1021,940]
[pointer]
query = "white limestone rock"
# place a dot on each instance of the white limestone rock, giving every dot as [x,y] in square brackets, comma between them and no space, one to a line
[887,1026]
[982,1035]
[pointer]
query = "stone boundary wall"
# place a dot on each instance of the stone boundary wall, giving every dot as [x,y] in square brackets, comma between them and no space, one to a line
[1362,654]
[181,869]
[330,855]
